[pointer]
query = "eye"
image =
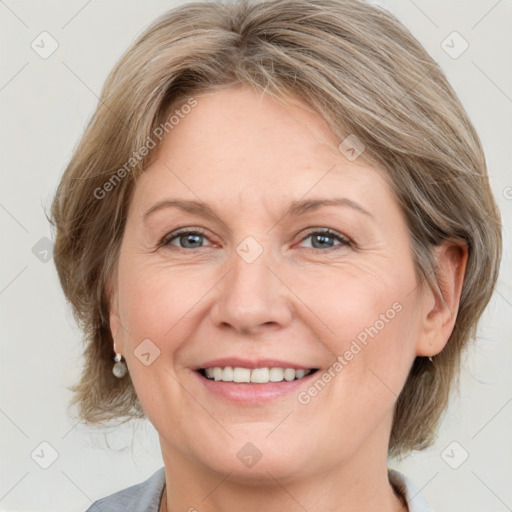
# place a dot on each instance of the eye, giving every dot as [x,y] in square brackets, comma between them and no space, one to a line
[326,239]
[185,239]
[195,239]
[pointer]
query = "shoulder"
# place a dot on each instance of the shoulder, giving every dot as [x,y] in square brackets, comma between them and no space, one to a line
[415,500]
[143,497]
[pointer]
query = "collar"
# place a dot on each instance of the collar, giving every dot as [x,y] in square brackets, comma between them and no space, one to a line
[406,488]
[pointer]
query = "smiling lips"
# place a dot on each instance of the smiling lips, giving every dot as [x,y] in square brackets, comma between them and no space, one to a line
[252,382]
[263,375]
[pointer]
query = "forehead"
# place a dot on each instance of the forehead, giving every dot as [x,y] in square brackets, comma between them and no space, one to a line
[237,143]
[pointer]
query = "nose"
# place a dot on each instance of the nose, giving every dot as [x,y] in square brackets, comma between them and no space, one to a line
[252,298]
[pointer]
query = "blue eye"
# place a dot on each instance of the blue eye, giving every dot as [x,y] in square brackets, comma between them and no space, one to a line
[185,239]
[193,239]
[326,239]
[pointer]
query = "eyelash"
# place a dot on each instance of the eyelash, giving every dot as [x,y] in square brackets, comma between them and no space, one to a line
[344,241]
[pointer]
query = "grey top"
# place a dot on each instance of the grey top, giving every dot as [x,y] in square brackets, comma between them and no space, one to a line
[146,496]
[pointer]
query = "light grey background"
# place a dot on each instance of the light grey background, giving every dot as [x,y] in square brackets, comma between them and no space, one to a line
[45,106]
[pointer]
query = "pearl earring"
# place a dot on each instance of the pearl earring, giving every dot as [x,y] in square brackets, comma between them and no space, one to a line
[119,369]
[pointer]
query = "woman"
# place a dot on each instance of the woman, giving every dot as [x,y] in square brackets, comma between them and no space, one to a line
[278,235]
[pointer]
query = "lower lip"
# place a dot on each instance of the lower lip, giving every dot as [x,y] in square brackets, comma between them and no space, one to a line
[250,394]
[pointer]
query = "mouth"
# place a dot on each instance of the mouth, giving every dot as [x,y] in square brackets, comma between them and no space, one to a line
[265,375]
[252,382]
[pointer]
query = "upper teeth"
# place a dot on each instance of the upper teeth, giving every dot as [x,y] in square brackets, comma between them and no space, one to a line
[257,375]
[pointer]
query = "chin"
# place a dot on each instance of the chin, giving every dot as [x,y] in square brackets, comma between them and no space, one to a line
[256,458]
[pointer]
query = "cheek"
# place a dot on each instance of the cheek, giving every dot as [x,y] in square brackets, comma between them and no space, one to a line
[349,299]
[155,300]
[155,306]
[369,318]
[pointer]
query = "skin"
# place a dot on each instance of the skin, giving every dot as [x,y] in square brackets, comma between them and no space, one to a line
[248,157]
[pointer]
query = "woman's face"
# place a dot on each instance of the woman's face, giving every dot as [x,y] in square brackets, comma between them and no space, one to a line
[226,262]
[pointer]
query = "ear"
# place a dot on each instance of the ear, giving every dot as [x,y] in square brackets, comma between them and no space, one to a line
[114,318]
[440,307]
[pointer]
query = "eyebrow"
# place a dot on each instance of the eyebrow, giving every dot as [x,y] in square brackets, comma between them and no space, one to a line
[297,208]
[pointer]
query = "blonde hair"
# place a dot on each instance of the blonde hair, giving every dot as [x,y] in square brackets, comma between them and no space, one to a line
[366,75]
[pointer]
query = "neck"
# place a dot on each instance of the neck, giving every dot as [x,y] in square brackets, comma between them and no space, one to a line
[358,484]
[395,504]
